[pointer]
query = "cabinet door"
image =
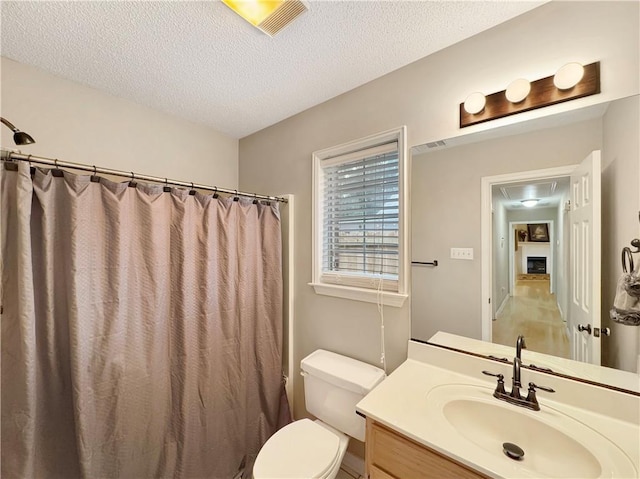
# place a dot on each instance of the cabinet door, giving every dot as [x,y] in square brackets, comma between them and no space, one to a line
[376,473]
[396,456]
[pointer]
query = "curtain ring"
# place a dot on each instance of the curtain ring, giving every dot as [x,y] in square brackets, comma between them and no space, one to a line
[255,198]
[94,178]
[235,195]
[166,182]
[55,162]
[627,259]
[133,177]
[192,185]
[29,160]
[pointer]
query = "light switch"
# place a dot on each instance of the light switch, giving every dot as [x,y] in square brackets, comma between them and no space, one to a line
[461,253]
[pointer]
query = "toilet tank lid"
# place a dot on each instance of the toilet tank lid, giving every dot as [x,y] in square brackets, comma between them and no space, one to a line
[342,371]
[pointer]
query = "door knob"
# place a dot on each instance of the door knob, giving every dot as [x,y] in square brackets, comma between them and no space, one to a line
[586,328]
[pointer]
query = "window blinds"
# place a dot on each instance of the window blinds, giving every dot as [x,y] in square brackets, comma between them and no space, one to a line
[360,218]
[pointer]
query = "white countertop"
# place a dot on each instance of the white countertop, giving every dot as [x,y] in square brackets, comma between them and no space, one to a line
[400,402]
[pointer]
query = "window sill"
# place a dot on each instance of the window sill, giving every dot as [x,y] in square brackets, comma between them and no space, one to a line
[360,294]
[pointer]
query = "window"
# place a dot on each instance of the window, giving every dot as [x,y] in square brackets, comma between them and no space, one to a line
[359,222]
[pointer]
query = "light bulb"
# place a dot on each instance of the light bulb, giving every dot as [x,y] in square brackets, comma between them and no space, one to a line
[518,90]
[475,103]
[568,76]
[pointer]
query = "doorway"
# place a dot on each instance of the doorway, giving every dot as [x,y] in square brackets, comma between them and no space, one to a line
[499,237]
[577,246]
[524,268]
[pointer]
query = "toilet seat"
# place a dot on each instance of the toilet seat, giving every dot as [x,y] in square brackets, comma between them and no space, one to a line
[302,449]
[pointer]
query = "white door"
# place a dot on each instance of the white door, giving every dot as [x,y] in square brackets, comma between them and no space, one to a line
[584,220]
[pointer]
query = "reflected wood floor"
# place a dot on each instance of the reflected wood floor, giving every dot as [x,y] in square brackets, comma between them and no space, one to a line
[533,312]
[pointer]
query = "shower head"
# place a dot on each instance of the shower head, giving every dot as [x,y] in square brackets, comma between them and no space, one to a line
[19,137]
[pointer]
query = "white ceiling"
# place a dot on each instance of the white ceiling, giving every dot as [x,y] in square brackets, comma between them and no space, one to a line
[200,61]
[549,192]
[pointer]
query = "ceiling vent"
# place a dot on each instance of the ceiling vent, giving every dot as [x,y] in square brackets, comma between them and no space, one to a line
[436,144]
[425,147]
[282,17]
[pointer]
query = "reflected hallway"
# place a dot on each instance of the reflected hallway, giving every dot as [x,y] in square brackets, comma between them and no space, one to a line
[533,312]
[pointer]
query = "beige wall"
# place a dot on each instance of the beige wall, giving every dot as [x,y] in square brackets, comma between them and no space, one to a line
[73,122]
[620,209]
[425,97]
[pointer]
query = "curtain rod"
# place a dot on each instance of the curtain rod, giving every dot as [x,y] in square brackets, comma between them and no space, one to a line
[13,155]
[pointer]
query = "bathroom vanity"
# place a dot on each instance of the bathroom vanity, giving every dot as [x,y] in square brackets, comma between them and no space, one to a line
[436,416]
[392,455]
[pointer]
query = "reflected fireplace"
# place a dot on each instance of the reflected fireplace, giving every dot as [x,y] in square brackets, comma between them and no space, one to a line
[536,265]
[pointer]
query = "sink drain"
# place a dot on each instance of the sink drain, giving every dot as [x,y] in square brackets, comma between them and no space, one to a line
[512,451]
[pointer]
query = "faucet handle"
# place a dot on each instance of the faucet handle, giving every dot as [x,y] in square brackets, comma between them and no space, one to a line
[500,385]
[531,395]
[533,387]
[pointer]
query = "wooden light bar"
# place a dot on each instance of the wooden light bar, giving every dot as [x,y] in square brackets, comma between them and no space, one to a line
[543,93]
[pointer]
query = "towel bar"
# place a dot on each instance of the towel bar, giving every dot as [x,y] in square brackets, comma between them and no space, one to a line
[426,263]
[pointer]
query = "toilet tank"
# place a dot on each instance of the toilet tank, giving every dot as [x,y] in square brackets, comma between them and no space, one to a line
[333,385]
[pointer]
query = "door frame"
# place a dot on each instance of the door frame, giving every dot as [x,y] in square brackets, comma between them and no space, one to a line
[486,184]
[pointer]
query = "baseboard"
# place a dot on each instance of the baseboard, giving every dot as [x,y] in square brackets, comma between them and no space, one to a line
[561,312]
[353,462]
[534,277]
[504,303]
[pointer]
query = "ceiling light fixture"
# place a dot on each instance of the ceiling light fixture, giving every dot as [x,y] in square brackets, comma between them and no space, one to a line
[19,137]
[518,90]
[269,16]
[529,203]
[475,103]
[568,76]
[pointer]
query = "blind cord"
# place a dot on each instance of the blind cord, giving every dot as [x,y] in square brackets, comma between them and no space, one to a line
[383,359]
[380,304]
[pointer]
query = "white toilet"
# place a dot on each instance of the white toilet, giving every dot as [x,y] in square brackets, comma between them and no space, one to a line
[307,449]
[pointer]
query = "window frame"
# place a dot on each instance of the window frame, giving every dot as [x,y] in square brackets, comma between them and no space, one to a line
[320,159]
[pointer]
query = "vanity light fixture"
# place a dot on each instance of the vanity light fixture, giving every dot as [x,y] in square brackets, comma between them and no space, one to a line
[572,81]
[530,203]
[269,16]
[568,76]
[518,90]
[475,103]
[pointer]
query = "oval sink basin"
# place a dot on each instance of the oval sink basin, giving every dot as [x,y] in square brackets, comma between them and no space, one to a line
[554,444]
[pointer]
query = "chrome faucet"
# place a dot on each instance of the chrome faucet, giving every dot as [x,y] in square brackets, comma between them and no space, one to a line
[514,397]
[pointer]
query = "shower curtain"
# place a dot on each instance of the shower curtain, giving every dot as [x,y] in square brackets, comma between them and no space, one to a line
[141,331]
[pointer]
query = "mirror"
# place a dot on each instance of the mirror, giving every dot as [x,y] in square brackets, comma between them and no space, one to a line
[446,213]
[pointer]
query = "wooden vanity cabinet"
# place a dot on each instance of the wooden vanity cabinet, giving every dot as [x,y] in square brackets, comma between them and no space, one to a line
[389,455]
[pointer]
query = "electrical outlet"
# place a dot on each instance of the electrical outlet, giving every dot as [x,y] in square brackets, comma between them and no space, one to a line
[461,253]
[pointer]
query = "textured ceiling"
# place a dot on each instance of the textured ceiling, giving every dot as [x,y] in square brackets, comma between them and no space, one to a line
[198,60]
